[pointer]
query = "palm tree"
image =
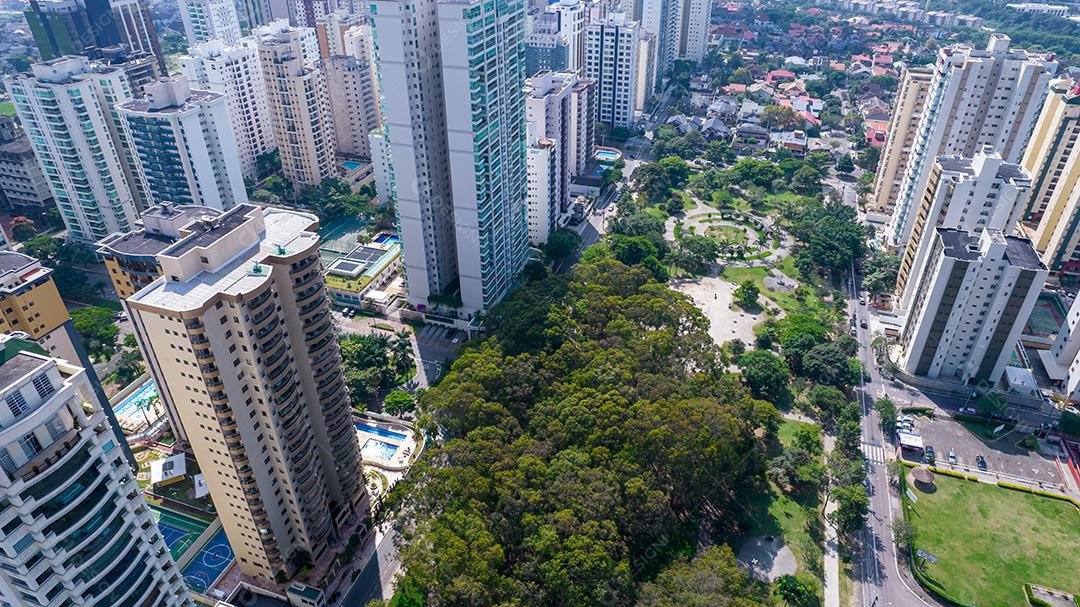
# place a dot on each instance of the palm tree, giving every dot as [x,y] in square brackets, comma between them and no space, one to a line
[401,351]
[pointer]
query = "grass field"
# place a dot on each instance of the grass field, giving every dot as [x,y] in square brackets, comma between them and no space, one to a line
[786,300]
[793,519]
[990,541]
[733,234]
[7,108]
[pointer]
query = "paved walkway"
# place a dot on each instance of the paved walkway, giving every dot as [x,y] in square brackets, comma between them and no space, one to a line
[832,558]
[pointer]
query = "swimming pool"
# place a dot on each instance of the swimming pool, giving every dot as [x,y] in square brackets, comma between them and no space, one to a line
[141,397]
[383,432]
[606,155]
[351,165]
[387,239]
[376,450]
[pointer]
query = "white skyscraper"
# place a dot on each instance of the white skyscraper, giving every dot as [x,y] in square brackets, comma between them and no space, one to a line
[969,194]
[611,59]
[974,296]
[65,106]
[459,182]
[185,145]
[235,72]
[206,20]
[977,98]
[77,529]
[681,27]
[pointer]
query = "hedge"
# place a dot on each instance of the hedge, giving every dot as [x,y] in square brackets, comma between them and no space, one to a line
[951,473]
[928,411]
[1039,492]
[972,477]
[1033,600]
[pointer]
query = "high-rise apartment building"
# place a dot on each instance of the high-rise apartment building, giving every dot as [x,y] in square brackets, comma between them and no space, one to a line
[681,28]
[975,294]
[137,29]
[695,18]
[646,75]
[1062,360]
[350,76]
[331,29]
[140,69]
[77,529]
[185,145]
[1053,157]
[70,27]
[299,104]
[903,126]
[459,183]
[30,303]
[238,336]
[66,106]
[235,72]
[551,101]
[968,194]
[206,20]
[977,98]
[131,257]
[555,37]
[543,191]
[23,187]
[611,59]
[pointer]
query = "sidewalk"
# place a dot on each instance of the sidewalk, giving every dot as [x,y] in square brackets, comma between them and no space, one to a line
[832,558]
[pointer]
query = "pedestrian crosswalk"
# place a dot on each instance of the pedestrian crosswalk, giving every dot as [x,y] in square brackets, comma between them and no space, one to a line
[875,454]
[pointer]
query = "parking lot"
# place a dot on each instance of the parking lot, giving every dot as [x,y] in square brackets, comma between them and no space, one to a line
[1003,456]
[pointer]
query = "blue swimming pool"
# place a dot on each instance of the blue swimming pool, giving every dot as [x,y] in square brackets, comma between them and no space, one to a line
[377,431]
[377,451]
[606,155]
[387,239]
[351,165]
[141,397]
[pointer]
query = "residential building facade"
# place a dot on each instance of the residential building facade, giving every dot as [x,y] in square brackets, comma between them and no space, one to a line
[975,294]
[238,336]
[969,194]
[137,30]
[459,186]
[23,187]
[542,160]
[977,98]
[903,126]
[185,145]
[235,72]
[65,105]
[353,103]
[1053,158]
[77,529]
[299,104]
[206,20]
[611,58]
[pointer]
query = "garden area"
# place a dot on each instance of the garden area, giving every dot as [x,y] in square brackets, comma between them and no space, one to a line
[182,491]
[989,541]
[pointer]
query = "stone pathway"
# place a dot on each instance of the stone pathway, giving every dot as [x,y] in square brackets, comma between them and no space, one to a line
[693,219]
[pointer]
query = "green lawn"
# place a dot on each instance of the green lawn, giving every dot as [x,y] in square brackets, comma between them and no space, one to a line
[733,234]
[784,299]
[990,541]
[7,108]
[793,519]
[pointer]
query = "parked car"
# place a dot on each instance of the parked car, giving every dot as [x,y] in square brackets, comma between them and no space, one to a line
[952,456]
[969,410]
[980,461]
[862,323]
[928,455]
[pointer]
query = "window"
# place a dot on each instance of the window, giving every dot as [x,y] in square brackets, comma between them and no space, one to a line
[16,403]
[30,444]
[43,385]
[55,425]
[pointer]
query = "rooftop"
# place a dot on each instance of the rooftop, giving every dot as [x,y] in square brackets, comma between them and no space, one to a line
[18,362]
[1020,253]
[151,241]
[958,244]
[143,105]
[283,231]
[11,261]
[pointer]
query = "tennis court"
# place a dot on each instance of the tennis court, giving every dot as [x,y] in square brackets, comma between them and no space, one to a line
[179,531]
[208,565]
[341,236]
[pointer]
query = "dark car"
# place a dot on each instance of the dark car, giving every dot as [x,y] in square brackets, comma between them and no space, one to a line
[928,455]
[980,461]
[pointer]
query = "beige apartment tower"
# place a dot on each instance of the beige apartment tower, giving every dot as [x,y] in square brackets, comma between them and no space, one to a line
[237,334]
[903,127]
[1053,159]
[299,106]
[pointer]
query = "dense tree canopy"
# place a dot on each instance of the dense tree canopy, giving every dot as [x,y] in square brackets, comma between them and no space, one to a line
[595,426]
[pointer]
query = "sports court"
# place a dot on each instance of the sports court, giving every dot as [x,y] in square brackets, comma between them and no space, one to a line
[208,565]
[178,530]
[1047,316]
[340,236]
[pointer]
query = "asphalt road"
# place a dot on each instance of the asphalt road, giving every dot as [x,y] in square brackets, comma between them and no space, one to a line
[377,577]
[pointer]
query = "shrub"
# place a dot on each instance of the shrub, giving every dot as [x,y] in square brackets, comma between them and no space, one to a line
[1032,599]
[951,473]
